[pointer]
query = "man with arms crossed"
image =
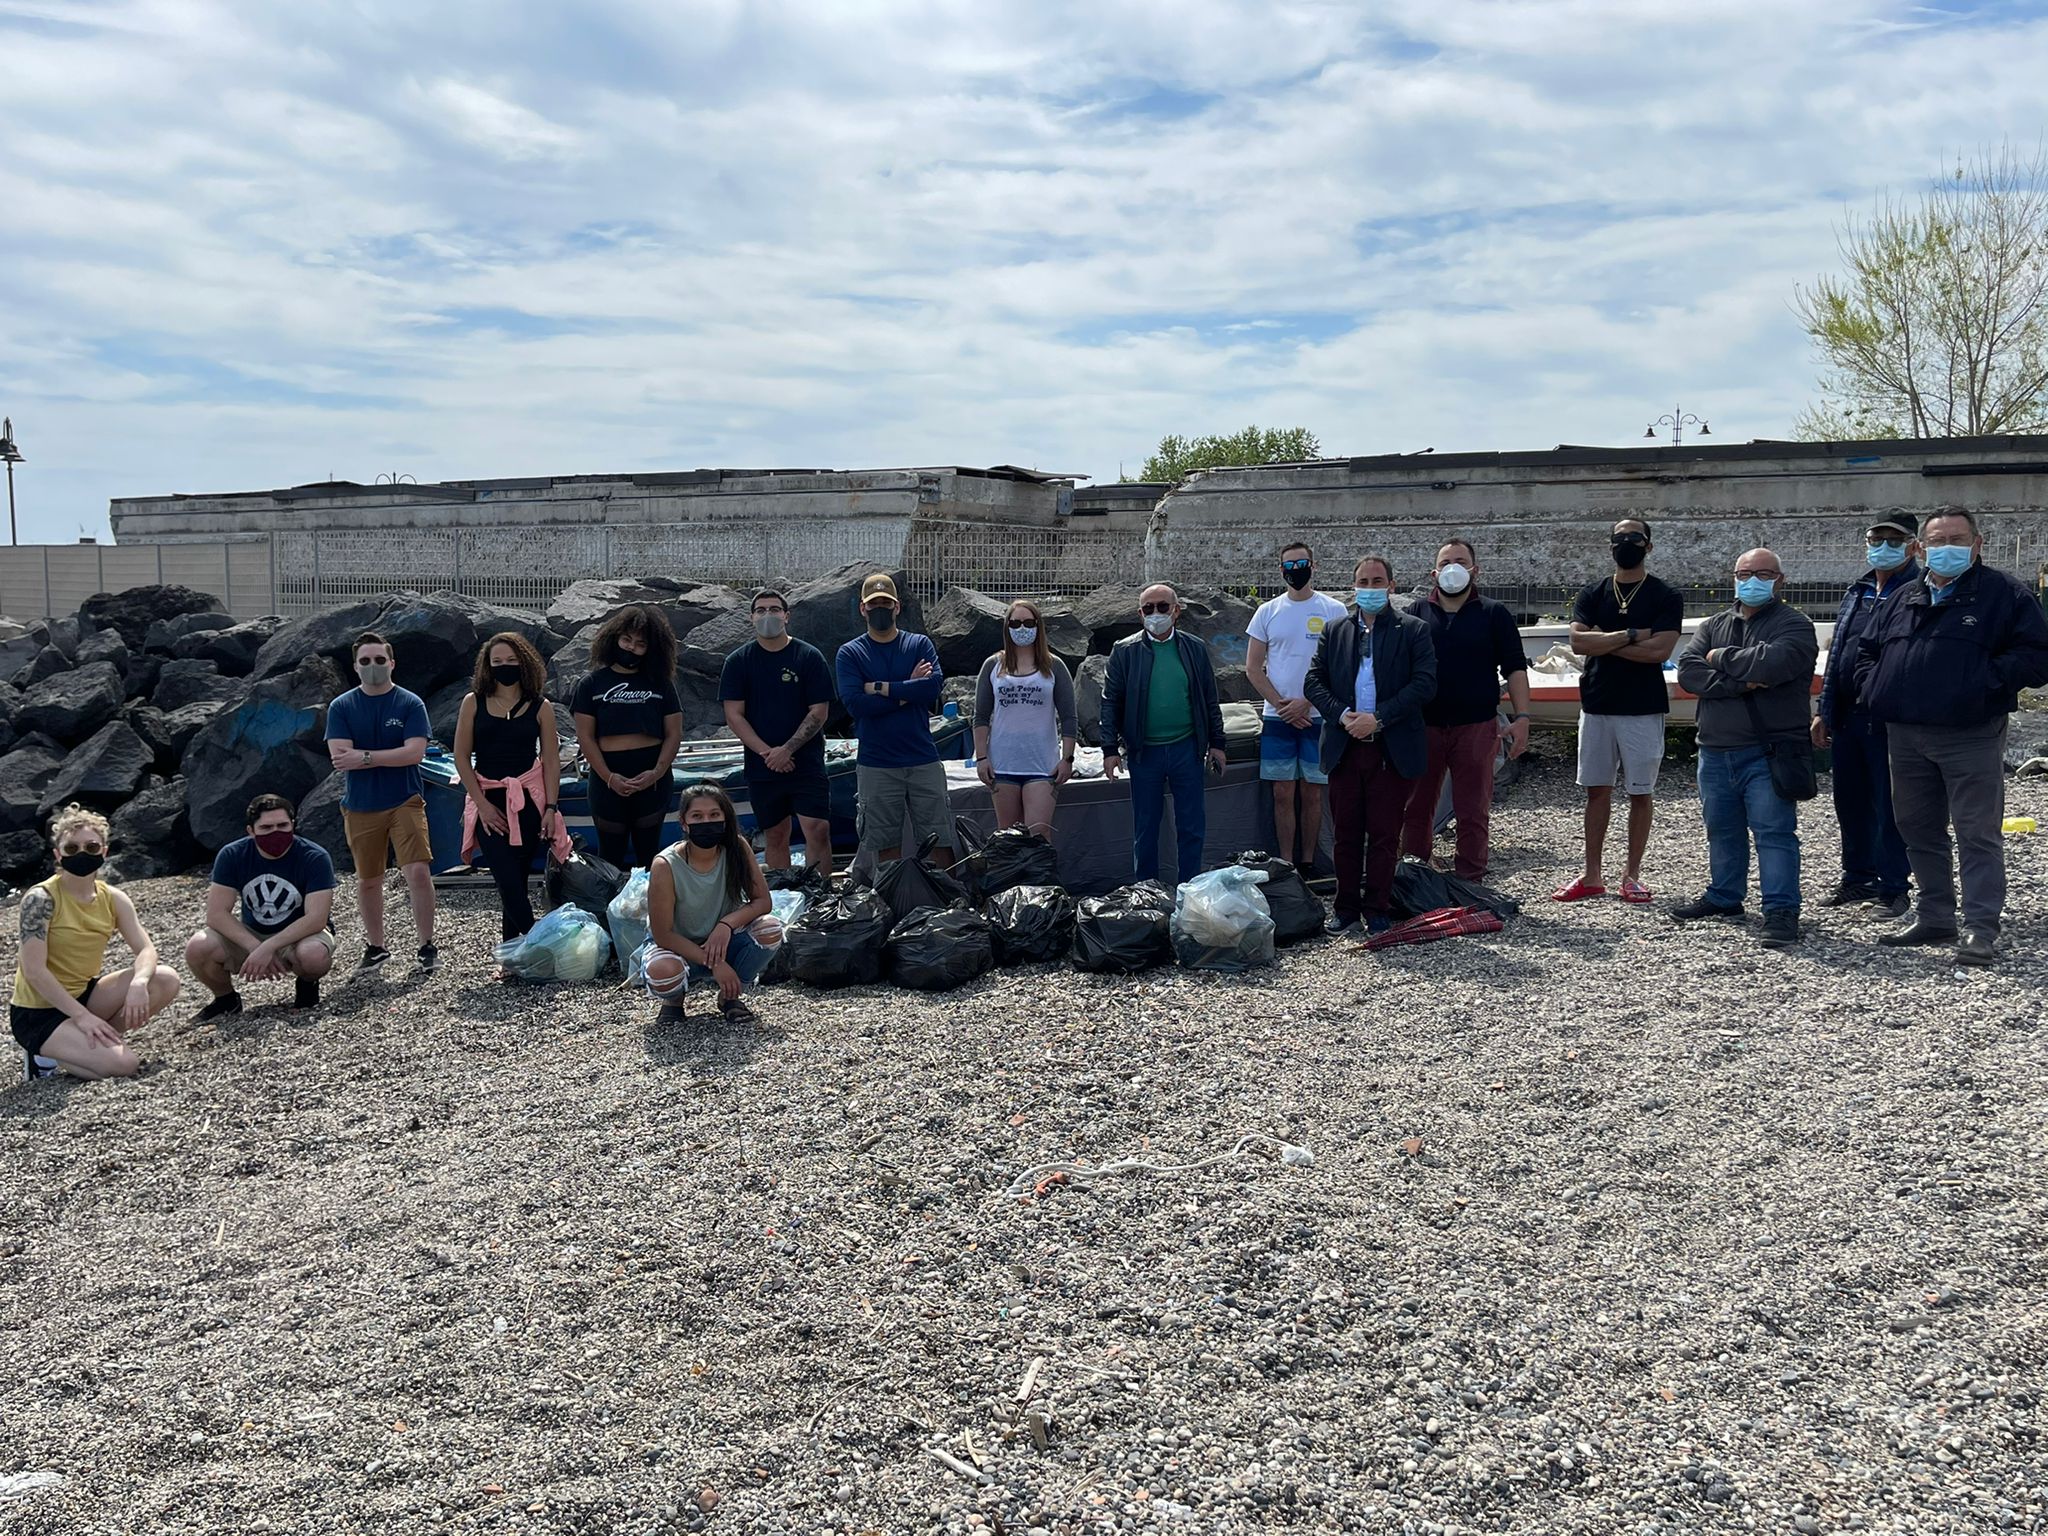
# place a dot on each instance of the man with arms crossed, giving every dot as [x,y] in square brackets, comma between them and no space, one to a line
[1283,638]
[777,692]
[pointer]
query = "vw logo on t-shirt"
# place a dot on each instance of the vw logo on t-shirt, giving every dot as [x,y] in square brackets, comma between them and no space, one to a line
[273,901]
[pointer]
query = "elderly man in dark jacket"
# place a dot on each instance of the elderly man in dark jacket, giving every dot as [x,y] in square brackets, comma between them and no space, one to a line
[1160,712]
[1369,681]
[1752,668]
[1942,667]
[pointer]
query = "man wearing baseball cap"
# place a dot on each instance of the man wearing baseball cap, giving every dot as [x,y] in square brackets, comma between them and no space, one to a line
[889,681]
[1874,866]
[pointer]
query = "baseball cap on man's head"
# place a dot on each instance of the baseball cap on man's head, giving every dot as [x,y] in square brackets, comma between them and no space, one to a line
[1898,522]
[879,585]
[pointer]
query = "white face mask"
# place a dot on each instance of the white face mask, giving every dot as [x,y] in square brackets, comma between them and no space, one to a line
[1159,625]
[1453,579]
[1023,634]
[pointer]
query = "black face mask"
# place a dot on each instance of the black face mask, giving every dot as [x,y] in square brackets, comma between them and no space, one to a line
[506,675]
[705,834]
[626,661]
[1628,554]
[82,864]
[1296,575]
[881,618]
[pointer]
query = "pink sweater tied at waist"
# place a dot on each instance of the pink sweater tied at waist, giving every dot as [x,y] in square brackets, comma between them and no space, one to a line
[529,788]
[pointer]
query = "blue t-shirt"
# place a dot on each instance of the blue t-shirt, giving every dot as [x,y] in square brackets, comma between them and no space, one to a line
[779,688]
[377,725]
[274,891]
[894,731]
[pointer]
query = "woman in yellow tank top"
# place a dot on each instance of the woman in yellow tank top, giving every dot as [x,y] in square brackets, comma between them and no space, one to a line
[65,1013]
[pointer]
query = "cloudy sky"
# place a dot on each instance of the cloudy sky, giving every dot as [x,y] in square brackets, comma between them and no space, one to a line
[254,244]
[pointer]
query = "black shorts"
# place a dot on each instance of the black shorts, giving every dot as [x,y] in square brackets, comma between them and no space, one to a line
[33,1026]
[776,796]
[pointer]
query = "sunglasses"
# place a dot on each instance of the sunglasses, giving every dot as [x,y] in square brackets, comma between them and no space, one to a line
[1148,609]
[1630,538]
[1293,565]
[1888,540]
[92,847]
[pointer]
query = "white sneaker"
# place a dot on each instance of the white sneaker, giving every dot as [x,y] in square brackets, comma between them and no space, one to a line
[40,1066]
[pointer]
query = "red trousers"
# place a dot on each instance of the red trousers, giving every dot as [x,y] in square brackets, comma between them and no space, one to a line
[1367,800]
[1467,751]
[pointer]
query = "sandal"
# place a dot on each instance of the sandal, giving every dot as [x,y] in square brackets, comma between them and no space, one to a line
[1580,889]
[1636,892]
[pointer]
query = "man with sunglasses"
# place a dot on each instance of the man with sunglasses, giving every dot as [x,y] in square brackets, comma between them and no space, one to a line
[1943,667]
[1160,710]
[1282,641]
[1874,865]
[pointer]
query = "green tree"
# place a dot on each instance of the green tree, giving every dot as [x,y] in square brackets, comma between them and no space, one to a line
[1178,457]
[1939,326]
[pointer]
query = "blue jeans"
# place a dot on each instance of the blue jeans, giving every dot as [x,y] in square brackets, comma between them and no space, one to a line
[1739,803]
[1873,852]
[1154,770]
[743,952]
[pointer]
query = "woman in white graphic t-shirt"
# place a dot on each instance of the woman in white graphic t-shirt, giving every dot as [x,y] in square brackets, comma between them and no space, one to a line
[1024,723]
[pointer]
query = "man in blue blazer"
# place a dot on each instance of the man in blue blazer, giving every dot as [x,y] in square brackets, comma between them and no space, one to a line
[1369,681]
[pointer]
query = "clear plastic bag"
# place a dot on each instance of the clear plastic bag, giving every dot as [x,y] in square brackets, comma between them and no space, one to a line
[566,945]
[1221,921]
[627,915]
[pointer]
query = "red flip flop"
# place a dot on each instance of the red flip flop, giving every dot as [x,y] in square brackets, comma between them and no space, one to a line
[1579,890]
[1637,892]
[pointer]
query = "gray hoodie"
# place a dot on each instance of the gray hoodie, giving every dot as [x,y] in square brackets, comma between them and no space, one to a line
[1776,649]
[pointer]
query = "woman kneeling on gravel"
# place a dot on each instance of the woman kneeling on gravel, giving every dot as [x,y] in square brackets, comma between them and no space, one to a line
[65,1013]
[708,911]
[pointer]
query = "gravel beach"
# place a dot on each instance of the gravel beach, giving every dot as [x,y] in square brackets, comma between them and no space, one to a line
[1611,1227]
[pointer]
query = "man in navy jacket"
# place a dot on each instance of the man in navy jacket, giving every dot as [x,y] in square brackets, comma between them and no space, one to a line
[1160,711]
[1371,676]
[1942,667]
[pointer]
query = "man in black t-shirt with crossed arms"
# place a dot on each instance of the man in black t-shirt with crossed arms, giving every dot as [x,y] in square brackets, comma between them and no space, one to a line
[1626,624]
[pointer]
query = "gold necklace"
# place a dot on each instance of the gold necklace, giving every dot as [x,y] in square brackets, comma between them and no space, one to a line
[1621,603]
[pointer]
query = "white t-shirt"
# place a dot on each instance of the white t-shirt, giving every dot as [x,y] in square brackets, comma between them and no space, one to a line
[1291,629]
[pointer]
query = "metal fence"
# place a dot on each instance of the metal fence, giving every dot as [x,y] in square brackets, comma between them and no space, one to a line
[40,581]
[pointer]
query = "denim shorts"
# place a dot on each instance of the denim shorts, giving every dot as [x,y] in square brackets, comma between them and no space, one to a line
[1291,751]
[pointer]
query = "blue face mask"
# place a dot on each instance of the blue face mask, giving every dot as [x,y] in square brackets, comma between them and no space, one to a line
[1885,557]
[1369,599]
[1949,560]
[1755,591]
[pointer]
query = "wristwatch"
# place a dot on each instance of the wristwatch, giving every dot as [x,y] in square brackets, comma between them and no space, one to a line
[1513,718]
[1631,636]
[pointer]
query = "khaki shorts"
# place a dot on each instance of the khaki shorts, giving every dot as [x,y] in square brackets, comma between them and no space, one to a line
[236,954]
[371,833]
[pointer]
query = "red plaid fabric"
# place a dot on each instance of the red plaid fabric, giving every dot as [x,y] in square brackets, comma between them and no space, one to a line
[1444,923]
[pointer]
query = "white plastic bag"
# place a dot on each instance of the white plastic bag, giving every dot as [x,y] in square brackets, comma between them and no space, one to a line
[1221,921]
[566,945]
[628,915]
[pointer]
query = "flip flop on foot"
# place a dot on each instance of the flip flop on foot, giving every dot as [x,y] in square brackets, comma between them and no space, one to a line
[1580,889]
[1636,892]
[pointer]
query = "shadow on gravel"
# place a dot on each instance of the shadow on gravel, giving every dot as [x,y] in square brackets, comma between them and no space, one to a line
[705,1044]
[38,1100]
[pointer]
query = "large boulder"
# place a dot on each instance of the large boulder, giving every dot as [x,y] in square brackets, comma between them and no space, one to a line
[152,835]
[192,681]
[16,653]
[10,705]
[49,662]
[331,633]
[25,772]
[826,610]
[968,627]
[25,857]
[570,664]
[233,650]
[102,773]
[583,603]
[140,680]
[67,634]
[163,634]
[168,732]
[319,820]
[958,689]
[1088,698]
[271,743]
[444,708]
[436,637]
[1216,617]
[72,705]
[103,645]
[133,611]
[705,648]
[1232,686]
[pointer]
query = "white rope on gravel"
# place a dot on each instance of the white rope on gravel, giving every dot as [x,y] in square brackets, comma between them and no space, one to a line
[1027,1182]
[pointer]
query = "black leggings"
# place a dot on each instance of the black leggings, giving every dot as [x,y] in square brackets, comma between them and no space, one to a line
[630,822]
[511,866]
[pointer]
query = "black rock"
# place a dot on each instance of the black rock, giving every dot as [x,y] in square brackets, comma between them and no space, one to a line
[49,662]
[102,773]
[271,743]
[72,705]
[167,733]
[139,681]
[443,709]
[16,652]
[968,627]
[1232,686]
[104,645]
[319,820]
[165,633]
[151,835]
[192,681]
[25,771]
[133,611]
[67,634]
[10,704]
[25,857]
[1215,617]
[584,603]
[705,648]
[233,650]
[826,610]
[570,664]
[330,633]
[1088,698]
[435,637]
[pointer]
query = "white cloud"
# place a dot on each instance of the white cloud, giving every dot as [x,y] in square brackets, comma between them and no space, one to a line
[249,245]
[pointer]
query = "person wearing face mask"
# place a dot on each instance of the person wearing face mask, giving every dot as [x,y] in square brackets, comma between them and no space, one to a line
[1752,670]
[1281,642]
[889,682]
[377,738]
[1942,667]
[507,757]
[1371,678]
[777,692]
[1024,723]
[1626,625]
[709,916]
[1478,650]
[268,913]
[65,1014]
[1874,865]
[1160,712]
[629,726]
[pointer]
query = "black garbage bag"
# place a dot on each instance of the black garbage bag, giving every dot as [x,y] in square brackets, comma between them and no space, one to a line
[937,949]
[909,883]
[1012,857]
[1419,889]
[807,878]
[587,880]
[838,941]
[1031,923]
[1297,913]
[1127,930]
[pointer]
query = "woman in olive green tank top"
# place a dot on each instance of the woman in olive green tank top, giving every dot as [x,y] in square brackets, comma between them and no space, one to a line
[64,1012]
[708,913]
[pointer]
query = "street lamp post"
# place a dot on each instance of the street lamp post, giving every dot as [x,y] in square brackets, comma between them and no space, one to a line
[12,455]
[1677,419]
